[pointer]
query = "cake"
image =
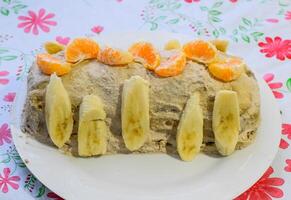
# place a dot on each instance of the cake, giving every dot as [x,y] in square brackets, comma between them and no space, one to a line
[167,100]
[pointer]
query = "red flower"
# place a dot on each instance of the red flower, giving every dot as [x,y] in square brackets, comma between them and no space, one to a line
[54,196]
[191,1]
[264,188]
[5,181]
[283,144]
[9,97]
[288,15]
[276,47]
[286,130]
[274,86]
[97,29]
[233,1]
[63,40]
[5,134]
[4,81]
[35,21]
[288,167]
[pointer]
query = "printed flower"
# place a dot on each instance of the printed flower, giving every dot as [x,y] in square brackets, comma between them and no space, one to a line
[191,1]
[6,181]
[63,40]
[233,1]
[5,134]
[288,15]
[4,81]
[54,196]
[97,29]
[288,167]
[34,21]
[273,85]
[264,189]
[272,20]
[276,47]
[9,97]
[283,144]
[286,130]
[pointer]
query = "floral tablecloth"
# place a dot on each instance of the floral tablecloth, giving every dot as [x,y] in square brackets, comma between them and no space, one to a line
[261,27]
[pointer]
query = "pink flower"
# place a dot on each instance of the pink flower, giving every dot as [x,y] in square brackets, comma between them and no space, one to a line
[54,196]
[5,181]
[63,40]
[264,189]
[4,81]
[9,97]
[288,167]
[274,86]
[5,134]
[276,47]
[283,144]
[36,20]
[191,1]
[97,29]
[233,1]
[272,20]
[286,130]
[288,15]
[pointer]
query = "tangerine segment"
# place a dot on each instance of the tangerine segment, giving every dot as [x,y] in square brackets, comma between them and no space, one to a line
[53,47]
[80,49]
[146,53]
[173,66]
[172,44]
[49,64]
[200,50]
[112,56]
[227,70]
[220,45]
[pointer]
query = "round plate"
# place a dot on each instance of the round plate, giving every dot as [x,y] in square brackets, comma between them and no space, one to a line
[148,176]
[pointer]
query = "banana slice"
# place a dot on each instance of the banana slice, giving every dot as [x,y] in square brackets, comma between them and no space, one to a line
[58,113]
[226,121]
[135,112]
[190,130]
[92,131]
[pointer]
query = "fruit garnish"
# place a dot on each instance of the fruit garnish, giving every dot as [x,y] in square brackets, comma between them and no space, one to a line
[200,50]
[80,49]
[53,47]
[172,66]
[112,56]
[49,64]
[172,44]
[145,53]
[228,69]
[220,45]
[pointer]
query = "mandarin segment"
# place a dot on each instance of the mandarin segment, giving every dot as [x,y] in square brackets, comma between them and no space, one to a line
[172,44]
[53,47]
[173,66]
[220,45]
[80,49]
[112,56]
[229,69]
[200,50]
[49,65]
[146,54]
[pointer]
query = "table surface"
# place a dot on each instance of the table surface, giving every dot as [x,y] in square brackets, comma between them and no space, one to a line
[262,28]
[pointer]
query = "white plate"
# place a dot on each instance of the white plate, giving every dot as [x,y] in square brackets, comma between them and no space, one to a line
[144,177]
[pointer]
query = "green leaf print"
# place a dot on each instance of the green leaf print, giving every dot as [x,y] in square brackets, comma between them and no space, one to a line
[8,58]
[18,7]
[4,11]
[215,19]
[246,21]
[173,21]
[245,38]
[7,1]
[160,18]
[242,28]
[288,84]
[256,35]
[203,8]
[215,33]
[154,26]
[3,51]
[214,12]
[222,30]
[217,4]
[41,191]
[7,160]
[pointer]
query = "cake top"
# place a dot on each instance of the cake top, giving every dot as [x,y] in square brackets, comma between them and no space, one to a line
[164,63]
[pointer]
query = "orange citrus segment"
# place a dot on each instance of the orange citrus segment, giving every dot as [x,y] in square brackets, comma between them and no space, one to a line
[146,53]
[49,64]
[172,44]
[173,66]
[80,49]
[229,69]
[112,56]
[53,47]
[200,50]
[220,45]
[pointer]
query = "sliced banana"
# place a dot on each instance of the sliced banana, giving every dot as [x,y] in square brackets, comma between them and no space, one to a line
[190,130]
[92,131]
[226,121]
[58,113]
[135,112]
